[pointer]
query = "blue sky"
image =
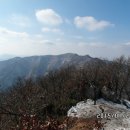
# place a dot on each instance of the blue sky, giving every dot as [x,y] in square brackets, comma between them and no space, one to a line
[100,28]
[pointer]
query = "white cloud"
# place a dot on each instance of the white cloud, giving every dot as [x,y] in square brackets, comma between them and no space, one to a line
[48,17]
[90,23]
[20,20]
[9,33]
[52,30]
[22,43]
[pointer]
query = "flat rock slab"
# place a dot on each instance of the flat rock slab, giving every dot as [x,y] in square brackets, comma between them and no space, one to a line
[113,116]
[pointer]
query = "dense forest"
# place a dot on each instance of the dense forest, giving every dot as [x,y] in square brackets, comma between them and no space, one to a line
[52,95]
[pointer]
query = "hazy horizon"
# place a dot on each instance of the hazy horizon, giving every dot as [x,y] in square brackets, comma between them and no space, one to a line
[87,27]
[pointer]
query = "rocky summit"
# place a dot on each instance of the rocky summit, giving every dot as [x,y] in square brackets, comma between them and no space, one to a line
[113,116]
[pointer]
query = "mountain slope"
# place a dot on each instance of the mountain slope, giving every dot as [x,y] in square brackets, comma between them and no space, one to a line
[35,66]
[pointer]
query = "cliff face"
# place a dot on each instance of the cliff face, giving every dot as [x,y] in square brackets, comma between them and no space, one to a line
[113,116]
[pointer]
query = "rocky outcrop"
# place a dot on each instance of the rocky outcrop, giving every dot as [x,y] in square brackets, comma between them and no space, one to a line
[113,116]
[108,94]
[84,109]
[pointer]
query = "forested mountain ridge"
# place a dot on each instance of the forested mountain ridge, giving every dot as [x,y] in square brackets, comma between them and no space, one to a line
[35,66]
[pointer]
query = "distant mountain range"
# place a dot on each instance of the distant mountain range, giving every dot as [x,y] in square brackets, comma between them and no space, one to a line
[6,57]
[35,66]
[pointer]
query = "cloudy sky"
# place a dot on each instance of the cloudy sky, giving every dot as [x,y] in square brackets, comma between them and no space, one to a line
[100,28]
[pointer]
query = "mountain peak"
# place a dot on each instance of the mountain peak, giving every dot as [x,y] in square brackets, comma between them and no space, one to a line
[34,66]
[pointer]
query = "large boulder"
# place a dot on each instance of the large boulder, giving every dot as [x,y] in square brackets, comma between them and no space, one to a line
[84,109]
[126,103]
